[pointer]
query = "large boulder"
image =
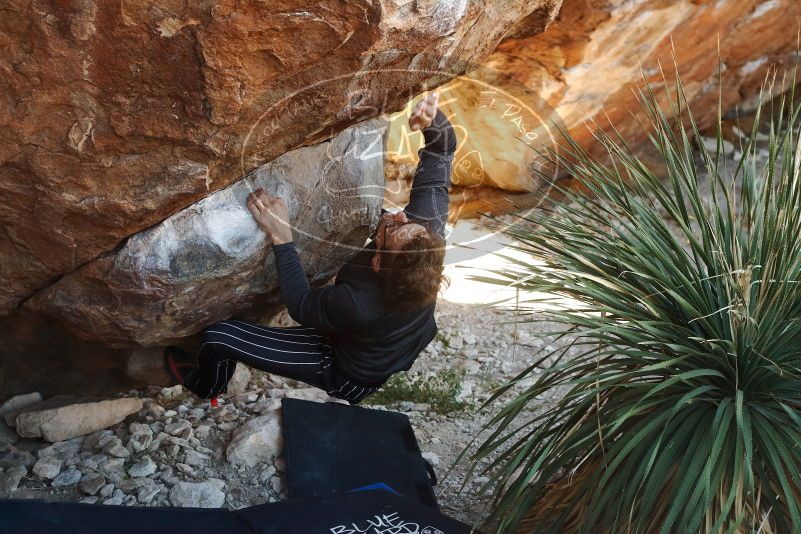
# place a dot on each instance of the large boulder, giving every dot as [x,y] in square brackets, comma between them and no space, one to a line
[210,260]
[128,131]
[116,115]
[584,68]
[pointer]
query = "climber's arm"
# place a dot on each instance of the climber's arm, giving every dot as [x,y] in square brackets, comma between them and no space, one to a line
[329,309]
[432,179]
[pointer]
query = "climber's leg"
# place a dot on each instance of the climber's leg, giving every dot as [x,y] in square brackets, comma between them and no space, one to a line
[343,388]
[299,353]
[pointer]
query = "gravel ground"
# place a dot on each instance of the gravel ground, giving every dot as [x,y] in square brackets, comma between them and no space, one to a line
[176,450]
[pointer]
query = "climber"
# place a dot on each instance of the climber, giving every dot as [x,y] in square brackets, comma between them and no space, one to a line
[375,319]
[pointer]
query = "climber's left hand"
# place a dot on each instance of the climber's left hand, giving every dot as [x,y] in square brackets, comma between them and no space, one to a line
[272,216]
[423,112]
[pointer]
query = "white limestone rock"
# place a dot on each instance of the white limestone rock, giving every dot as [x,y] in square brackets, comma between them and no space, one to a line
[258,440]
[196,495]
[239,382]
[67,478]
[58,422]
[48,467]
[144,467]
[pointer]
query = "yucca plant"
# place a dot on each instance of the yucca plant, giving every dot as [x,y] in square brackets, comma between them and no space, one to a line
[676,383]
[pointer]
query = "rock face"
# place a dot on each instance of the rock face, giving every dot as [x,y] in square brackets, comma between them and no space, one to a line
[497,122]
[590,56]
[116,115]
[210,261]
[586,67]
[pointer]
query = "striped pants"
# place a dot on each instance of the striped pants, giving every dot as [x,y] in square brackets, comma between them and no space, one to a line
[299,353]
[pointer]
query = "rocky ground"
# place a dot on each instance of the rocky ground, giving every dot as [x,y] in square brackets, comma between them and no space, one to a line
[178,450]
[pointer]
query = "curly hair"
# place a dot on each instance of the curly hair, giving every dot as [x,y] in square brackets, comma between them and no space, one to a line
[412,276]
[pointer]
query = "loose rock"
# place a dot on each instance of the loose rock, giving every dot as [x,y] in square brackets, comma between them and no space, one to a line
[114,447]
[7,435]
[169,478]
[146,466]
[19,402]
[147,493]
[114,501]
[129,485]
[196,495]
[239,382]
[48,467]
[14,457]
[154,409]
[67,478]
[185,469]
[113,467]
[56,422]
[258,440]
[92,482]
[107,490]
[173,392]
[267,473]
[10,479]
[63,450]
[181,429]
[195,458]
[141,437]
[266,405]
[432,458]
[97,439]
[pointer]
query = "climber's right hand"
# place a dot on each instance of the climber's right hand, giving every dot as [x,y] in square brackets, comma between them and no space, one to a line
[272,216]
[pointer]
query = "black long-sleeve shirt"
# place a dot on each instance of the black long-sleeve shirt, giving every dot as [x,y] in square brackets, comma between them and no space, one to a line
[370,341]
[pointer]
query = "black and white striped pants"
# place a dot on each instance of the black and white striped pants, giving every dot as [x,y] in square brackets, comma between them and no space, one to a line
[299,353]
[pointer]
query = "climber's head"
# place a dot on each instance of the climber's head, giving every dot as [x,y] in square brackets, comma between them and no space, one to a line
[408,259]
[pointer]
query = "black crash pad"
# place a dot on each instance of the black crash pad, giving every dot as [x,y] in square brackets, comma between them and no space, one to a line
[360,512]
[333,448]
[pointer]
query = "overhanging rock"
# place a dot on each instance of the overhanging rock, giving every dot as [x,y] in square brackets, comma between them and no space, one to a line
[210,260]
[115,115]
